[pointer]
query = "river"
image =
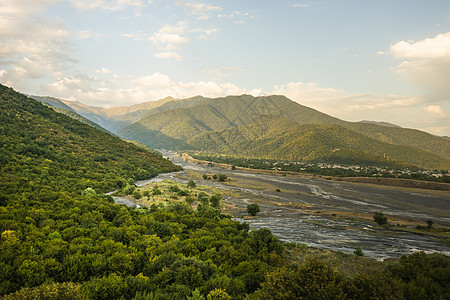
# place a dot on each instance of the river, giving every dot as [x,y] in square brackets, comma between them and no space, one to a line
[310,211]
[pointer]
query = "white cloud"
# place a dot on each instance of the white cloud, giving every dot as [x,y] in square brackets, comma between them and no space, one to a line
[201,10]
[435,110]
[107,5]
[205,33]
[31,54]
[169,37]
[431,48]
[89,34]
[168,54]
[302,5]
[103,70]
[427,63]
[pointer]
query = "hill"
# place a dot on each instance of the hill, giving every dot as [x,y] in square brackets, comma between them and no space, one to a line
[268,138]
[58,106]
[176,128]
[116,118]
[171,128]
[62,238]
[39,143]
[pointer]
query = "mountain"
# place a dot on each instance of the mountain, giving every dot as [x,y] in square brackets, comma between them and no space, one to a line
[58,106]
[171,128]
[172,123]
[270,138]
[381,123]
[53,102]
[63,238]
[116,118]
[41,148]
[206,120]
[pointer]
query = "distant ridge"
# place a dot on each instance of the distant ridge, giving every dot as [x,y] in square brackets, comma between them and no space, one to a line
[181,123]
[381,123]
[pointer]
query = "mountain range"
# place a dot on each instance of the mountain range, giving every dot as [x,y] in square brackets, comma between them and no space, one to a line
[272,127]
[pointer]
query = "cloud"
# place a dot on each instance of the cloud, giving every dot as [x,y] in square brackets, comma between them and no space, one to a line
[168,54]
[201,10]
[169,37]
[28,54]
[426,62]
[435,110]
[88,34]
[302,5]
[108,5]
[431,48]
[205,33]
[103,70]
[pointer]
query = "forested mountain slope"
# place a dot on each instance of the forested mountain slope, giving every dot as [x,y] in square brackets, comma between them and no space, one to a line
[42,147]
[180,124]
[62,238]
[182,128]
[270,138]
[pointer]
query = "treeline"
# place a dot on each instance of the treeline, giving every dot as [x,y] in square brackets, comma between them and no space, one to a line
[314,168]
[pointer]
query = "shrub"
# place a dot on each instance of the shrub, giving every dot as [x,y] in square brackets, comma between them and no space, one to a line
[380,218]
[253,209]
[358,252]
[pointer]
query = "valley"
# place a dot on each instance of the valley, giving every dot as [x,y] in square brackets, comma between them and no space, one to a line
[326,214]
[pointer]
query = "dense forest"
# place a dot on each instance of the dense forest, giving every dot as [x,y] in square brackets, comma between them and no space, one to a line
[62,238]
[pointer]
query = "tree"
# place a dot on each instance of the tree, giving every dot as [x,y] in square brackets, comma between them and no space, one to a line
[89,192]
[137,194]
[380,218]
[358,252]
[222,177]
[215,200]
[218,294]
[253,209]
[430,224]
[191,184]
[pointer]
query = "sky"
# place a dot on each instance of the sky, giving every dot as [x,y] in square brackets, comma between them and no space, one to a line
[383,60]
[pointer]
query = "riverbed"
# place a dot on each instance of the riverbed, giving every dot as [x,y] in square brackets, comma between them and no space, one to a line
[327,214]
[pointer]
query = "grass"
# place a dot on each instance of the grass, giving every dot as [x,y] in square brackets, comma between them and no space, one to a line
[347,263]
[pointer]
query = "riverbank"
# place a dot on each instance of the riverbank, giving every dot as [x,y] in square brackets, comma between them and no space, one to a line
[397,182]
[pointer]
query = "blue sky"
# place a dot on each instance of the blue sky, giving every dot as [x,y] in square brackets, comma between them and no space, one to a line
[378,60]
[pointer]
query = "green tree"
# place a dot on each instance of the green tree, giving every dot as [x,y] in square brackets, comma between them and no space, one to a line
[358,252]
[137,194]
[215,200]
[380,218]
[191,184]
[222,177]
[253,209]
[218,294]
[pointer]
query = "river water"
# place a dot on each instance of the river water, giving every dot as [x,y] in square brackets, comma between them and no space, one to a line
[303,210]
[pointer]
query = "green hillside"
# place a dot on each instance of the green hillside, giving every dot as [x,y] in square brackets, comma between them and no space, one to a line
[58,106]
[40,147]
[404,136]
[217,114]
[269,138]
[196,125]
[62,238]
